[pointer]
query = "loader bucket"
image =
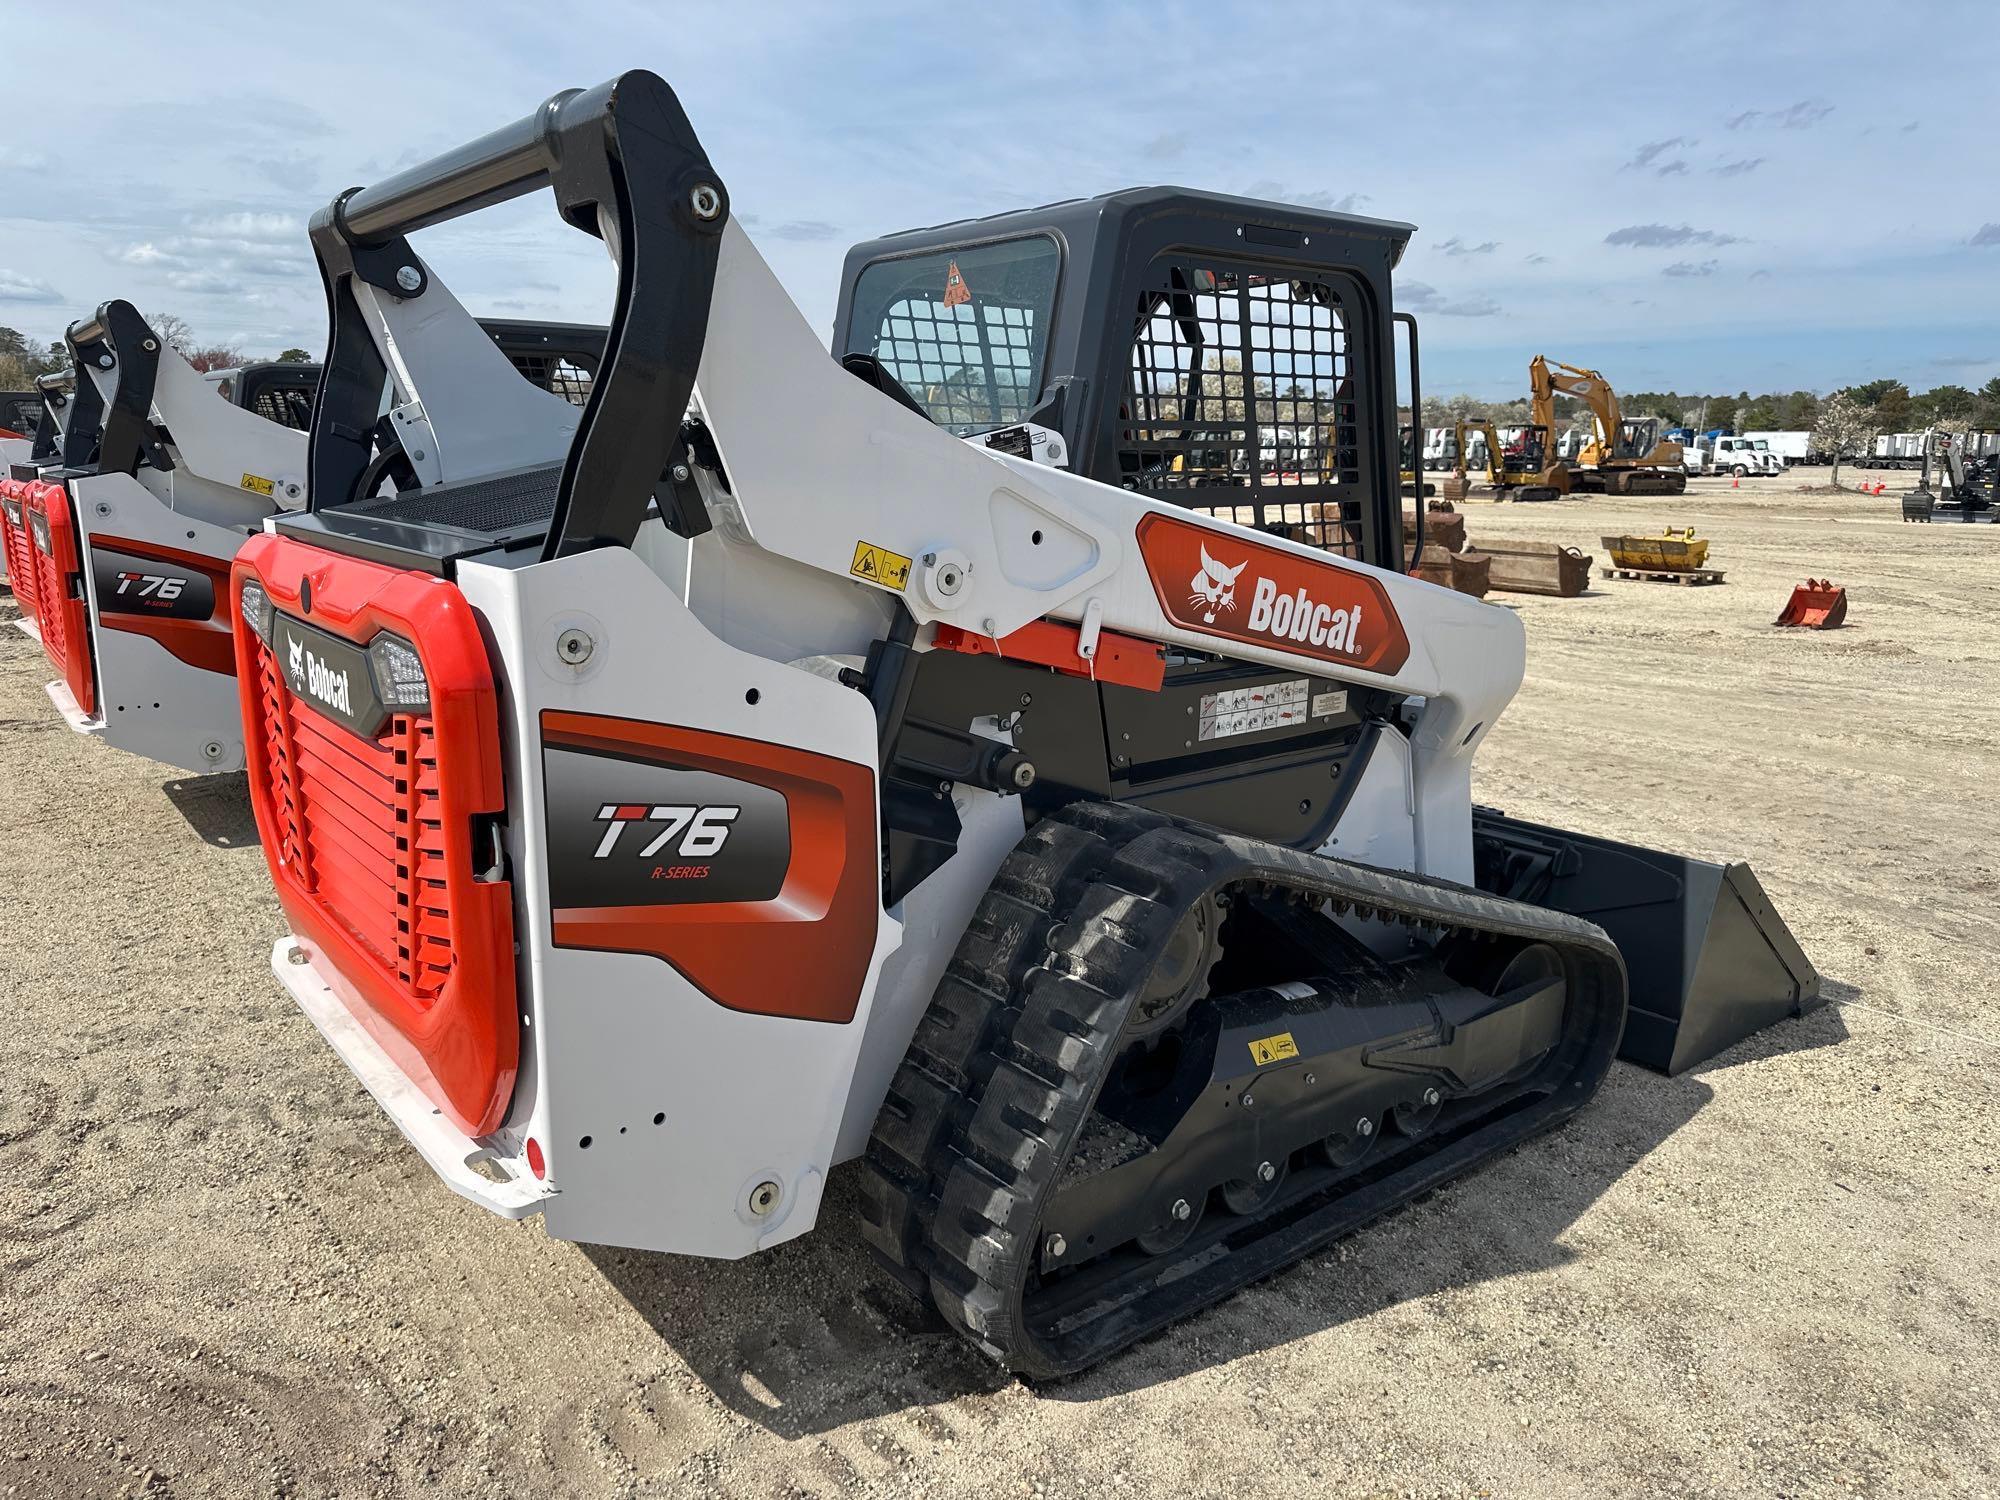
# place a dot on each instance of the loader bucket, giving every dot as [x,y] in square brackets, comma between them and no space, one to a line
[1708,959]
[1817,604]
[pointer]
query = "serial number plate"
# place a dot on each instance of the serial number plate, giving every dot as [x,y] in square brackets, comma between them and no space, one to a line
[1275,705]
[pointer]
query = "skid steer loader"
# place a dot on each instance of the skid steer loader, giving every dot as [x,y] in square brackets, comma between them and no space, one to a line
[134,517]
[667,810]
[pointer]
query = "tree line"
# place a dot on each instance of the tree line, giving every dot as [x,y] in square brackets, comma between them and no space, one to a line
[22,363]
[1890,406]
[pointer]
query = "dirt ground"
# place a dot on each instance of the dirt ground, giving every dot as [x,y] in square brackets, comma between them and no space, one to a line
[224,1274]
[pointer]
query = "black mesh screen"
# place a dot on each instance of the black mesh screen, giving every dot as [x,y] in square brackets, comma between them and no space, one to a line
[1240,399]
[964,330]
[288,406]
[554,373]
[969,367]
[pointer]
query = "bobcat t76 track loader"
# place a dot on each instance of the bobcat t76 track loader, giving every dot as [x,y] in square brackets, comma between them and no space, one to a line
[135,510]
[670,808]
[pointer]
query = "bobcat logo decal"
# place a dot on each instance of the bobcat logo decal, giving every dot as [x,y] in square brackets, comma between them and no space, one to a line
[297,663]
[1214,587]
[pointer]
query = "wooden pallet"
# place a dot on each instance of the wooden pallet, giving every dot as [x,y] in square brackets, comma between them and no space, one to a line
[1648,575]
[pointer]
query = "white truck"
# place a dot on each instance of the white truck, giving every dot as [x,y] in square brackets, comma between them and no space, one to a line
[1741,456]
[1791,447]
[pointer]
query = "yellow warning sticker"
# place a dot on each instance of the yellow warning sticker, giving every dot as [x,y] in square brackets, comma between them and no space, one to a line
[258,483]
[1272,1049]
[880,565]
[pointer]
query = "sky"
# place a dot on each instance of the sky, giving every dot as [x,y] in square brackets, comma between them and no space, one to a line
[1758,196]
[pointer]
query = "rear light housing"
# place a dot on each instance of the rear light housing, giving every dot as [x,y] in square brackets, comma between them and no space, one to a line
[376,826]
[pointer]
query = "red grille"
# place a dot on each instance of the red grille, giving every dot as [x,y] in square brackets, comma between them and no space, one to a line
[60,606]
[361,824]
[15,546]
[370,841]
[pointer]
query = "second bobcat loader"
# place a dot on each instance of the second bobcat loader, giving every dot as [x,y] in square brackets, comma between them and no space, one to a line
[668,810]
[134,512]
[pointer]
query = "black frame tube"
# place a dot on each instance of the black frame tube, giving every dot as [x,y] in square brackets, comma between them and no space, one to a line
[625,165]
[127,438]
[1409,322]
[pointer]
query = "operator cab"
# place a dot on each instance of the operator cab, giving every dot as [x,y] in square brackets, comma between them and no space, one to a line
[1227,355]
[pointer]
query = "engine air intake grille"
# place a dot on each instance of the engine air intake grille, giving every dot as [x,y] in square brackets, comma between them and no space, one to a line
[361,823]
[370,839]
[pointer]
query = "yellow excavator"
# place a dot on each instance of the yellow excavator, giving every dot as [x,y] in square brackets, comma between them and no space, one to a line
[1522,468]
[1626,456]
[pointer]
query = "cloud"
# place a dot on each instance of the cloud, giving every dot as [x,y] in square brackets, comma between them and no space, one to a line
[1803,115]
[1166,146]
[221,252]
[1760,275]
[1674,168]
[14,287]
[1913,125]
[803,229]
[1457,246]
[1652,151]
[294,172]
[1346,203]
[1741,168]
[1276,192]
[1691,268]
[1668,236]
[1986,234]
[1539,260]
[1428,299]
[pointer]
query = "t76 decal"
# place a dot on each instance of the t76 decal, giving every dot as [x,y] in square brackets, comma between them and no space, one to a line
[1218,584]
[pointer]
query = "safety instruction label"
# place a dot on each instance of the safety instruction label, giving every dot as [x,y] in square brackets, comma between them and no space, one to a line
[258,483]
[1273,1049]
[1275,705]
[880,565]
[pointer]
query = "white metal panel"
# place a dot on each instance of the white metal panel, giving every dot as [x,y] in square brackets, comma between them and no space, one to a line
[149,701]
[616,1038]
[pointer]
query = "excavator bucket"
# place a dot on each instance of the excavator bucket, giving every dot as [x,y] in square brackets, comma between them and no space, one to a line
[1708,959]
[1817,604]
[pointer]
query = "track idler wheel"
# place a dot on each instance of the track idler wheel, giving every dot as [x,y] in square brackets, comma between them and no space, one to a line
[1254,1194]
[1183,1219]
[1349,1148]
[1416,1117]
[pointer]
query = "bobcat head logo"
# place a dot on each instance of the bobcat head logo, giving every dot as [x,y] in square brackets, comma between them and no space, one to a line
[297,663]
[1214,587]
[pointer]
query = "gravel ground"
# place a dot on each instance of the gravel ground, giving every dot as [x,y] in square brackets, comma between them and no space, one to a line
[225,1275]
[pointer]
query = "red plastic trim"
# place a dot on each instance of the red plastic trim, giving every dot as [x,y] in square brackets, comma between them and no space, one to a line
[370,842]
[206,644]
[1124,659]
[62,608]
[15,544]
[805,952]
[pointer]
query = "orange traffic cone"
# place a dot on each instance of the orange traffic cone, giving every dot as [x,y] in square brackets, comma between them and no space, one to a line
[1736,483]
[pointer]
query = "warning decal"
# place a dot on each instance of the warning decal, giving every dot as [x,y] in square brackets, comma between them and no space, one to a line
[1272,1049]
[956,292]
[874,564]
[258,483]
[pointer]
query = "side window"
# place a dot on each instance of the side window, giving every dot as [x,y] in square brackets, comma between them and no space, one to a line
[1241,398]
[964,331]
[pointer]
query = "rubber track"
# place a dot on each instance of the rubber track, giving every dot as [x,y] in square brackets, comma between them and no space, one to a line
[1005,1065]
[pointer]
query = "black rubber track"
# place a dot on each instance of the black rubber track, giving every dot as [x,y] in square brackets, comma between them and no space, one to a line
[1006,1064]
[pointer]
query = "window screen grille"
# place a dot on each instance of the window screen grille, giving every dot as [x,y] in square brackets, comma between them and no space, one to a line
[1240,399]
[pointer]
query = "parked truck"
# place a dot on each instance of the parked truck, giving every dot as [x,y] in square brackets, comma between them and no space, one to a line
[1791,447]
